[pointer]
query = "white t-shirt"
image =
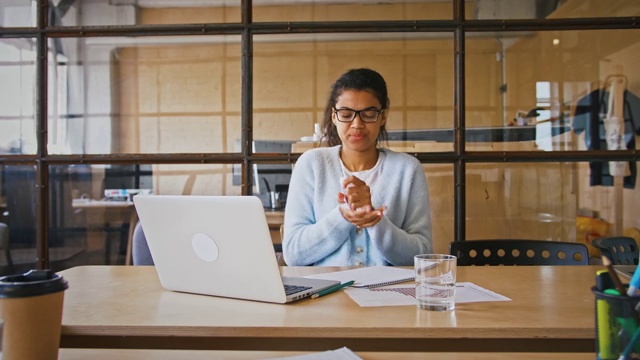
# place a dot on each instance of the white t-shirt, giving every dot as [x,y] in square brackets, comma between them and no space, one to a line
[370,176]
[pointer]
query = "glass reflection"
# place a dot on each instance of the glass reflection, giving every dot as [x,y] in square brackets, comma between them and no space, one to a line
[418,69]
[139,12]
[17,96]
[145,95]
[128,12]
[352,10]
[17,13]
[552,90]
[592,8]
[547,201]
[521,201]
[92,216]
[550,9]
[441,201]
[17,218]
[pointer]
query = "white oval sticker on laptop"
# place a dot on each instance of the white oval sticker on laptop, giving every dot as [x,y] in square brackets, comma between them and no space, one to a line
[204,247]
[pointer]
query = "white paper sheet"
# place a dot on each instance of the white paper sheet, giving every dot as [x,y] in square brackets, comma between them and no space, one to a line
[338,354]
[370,276]
[466,292]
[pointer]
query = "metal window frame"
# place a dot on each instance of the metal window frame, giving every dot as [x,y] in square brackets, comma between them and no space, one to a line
[246,28]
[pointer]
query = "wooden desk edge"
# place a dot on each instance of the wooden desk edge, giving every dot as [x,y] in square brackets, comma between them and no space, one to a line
[322,344]
[329,338]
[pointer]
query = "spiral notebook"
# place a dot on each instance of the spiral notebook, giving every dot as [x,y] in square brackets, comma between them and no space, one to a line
[369,277]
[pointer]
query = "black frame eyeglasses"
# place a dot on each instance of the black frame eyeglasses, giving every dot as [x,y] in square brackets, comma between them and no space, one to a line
[347,115]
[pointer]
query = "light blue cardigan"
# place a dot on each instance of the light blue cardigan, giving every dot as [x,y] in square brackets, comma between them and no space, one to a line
[315,233]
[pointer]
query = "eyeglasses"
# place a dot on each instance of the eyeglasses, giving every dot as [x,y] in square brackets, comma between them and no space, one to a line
[366,115]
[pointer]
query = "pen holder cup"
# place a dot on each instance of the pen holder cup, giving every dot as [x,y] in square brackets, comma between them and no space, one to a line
[617,326]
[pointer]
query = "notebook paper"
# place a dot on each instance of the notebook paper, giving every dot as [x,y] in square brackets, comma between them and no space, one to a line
[371,276]
[466,292]
[338,354]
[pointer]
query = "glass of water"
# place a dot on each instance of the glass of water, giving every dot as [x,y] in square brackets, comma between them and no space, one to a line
[435,281]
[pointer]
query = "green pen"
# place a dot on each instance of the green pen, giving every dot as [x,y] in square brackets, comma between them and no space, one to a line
[332,289]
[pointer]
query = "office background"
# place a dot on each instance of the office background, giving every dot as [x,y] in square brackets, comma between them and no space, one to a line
[174,96]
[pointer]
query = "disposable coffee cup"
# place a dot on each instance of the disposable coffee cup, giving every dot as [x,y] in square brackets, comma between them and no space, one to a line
[31,308]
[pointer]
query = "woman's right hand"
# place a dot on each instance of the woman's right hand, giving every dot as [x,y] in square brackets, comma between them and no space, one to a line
[363,217]
[359,210]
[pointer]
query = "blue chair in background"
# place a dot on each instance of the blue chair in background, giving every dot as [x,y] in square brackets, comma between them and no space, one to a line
[140,253]
[621,250]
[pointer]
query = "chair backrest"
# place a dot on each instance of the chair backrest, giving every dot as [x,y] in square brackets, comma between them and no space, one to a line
[621,250]
[140,251]
[519,252]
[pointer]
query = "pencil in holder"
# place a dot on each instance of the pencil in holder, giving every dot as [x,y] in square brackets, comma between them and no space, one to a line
[617,326]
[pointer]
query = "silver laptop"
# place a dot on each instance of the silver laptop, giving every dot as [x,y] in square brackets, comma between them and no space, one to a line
[217,245]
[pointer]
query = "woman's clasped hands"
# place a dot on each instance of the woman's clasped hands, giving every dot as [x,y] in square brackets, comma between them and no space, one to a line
[357,207]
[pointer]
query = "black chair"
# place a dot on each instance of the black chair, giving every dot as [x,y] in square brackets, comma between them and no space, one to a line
[621,250]
[519,252]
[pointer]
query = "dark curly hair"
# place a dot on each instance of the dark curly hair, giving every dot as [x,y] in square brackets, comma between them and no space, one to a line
[354,79]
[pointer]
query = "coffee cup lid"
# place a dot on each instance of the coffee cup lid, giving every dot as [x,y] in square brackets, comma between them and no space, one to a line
[31,283]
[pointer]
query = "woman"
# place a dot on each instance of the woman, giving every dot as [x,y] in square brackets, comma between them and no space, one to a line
[353,203]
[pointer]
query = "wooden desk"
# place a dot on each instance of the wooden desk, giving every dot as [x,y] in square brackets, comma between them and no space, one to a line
[120,354]
[123,306]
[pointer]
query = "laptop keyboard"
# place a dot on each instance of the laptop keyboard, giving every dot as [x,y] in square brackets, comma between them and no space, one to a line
[293,289]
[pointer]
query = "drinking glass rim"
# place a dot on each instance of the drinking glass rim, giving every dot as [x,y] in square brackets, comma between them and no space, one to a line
[435,257]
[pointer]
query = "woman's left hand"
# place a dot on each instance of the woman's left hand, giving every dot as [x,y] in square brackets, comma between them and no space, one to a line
[363,217]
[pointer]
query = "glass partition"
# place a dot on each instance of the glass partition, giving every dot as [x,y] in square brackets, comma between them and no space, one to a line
[293,76]
[271,182]
[441,202]
[17,218]
[149,12]
[130,86]
[591,8]
[549,9]
[146,95]
[549,201]
[17,13]
[92,216]
[17,96]
[20,13]
[521,201]
[550,90]
[352,10]
[610,200]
